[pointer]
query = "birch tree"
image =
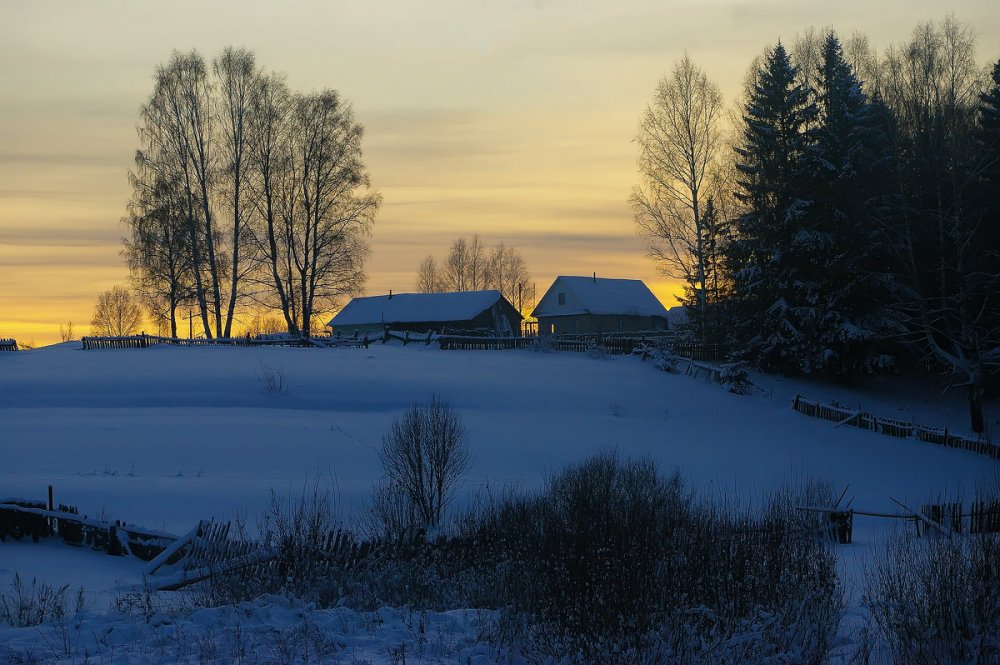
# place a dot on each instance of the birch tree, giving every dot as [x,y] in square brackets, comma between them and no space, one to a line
[680,136]
[236,73]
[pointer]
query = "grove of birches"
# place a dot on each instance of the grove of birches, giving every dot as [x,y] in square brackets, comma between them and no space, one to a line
[841,218]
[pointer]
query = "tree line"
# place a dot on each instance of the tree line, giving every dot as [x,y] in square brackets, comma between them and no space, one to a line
[472,266]
[245,193]
[848,220]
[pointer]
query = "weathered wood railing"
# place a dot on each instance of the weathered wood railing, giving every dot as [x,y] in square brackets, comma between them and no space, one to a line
[453,342]
[855,418]
[146,341]
[617,344]
[33,519]
[8,345]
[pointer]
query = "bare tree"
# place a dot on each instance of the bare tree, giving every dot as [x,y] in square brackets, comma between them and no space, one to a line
[679,143]
[237,77]
[285,170]
[508,273]
[66,332]
[425,453]
[158,251]
[329,219]
[476,264]
[429,278]
[467,266]
[273,188]
[943,237]
[807,54]
[864,61]
[116,314]
[456,266]
[176,147]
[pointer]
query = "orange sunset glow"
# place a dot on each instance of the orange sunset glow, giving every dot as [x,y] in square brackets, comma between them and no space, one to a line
[511,120]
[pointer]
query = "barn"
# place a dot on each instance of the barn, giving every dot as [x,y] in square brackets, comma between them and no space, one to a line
[598,305]
[460,311]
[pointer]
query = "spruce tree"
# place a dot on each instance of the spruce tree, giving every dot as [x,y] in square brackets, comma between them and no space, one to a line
[837,250]
[773,185]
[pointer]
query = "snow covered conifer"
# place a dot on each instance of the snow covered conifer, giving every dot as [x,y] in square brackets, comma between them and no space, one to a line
[773,185]
[836,249]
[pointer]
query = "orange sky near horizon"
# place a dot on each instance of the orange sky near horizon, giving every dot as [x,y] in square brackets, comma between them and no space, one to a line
[513,120]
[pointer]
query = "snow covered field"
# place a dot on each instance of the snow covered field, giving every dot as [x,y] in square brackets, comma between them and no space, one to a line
[163,437]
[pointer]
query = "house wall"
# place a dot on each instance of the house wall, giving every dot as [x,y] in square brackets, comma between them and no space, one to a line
[550,301]
[590,324]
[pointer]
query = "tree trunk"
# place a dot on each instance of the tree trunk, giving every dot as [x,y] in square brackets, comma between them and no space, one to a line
[977,421]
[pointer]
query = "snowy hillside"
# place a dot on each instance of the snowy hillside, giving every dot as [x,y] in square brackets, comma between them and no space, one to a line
[164,437]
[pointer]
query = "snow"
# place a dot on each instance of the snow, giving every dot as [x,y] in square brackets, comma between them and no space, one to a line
[415,308]
[599,296]
[166,436]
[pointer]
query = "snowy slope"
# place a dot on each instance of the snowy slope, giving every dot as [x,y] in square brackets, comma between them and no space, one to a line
[166,436]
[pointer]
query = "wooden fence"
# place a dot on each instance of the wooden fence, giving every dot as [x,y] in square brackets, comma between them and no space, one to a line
[8,345]
[146,341]
[453,342]
[616,345]
[34,519]
[863,420]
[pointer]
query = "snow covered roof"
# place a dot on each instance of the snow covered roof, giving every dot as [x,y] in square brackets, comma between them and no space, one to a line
[600,295]
[415,308]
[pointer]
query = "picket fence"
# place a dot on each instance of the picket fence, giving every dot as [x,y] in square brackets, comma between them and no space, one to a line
[855,418]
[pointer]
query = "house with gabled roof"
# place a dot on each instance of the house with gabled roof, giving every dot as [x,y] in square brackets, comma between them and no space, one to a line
[458,311]
[598,305]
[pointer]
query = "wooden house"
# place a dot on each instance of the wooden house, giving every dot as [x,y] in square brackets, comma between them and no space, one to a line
[598,305]
[459,312]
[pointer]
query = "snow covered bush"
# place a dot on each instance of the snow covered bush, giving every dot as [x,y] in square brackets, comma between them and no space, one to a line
[663,359]
[937,599]
[736,379]
[596,351]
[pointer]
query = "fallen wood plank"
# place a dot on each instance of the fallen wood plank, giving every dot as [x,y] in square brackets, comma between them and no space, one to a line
[923,518]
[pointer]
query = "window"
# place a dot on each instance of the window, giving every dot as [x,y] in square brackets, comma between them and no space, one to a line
[562,298]
[552,329]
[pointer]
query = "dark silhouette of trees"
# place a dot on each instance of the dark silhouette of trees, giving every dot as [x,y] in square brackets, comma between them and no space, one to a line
[470,266]
[263,192]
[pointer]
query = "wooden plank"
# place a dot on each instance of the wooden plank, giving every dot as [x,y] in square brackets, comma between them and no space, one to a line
[923,518]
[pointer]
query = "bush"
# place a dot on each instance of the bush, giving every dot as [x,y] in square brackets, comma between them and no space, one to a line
[272,379]
[610,562]
[30,605]
[614,563]
[937,599]
[663,359]
[424,455]
[736,379]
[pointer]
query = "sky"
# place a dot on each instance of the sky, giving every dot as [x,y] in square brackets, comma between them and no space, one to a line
[514,120]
